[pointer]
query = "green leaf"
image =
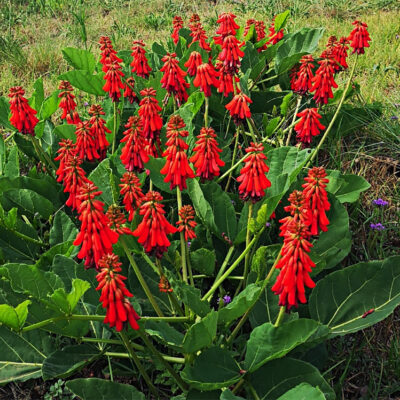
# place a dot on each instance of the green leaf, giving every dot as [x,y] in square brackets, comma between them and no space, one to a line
[2,155]
[285,103]
[100,176]
[268,342]
[304,391]
[213,369]
[38,95]
[341,299]
[155,165]
[4,111]
[65,131]
[240,304]
[201,334]
[203,261]
[228,395]
[278,376]
[83,80]
[62,229]
[79,58]
[67,302]
[12,317]
[346,188]
[63,363]
[265,100]
[50,105]
[100,389]
[11,169]
[258,262]
[165,334]
[280,20]
[190,296]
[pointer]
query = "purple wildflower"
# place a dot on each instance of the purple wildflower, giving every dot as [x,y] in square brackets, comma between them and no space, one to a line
[189,244]
[267,224]
[227,299]
[378,226]
[86,104]
[380,202]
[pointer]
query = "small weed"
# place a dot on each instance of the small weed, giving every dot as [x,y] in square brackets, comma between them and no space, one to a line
[154,21]
[58,391]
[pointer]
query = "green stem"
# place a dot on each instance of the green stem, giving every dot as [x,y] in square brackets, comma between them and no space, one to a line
[182,237]
[293,120]
[233,278]
[114,128]
[138,364]
[250,129]
[225,262]
[206,105]
[152,265]
[189,265]
[110,369]
[218,282]
[233,159]
[157,354]
[259,76]
[43,157]
[9,137]
[335,115]
[253,128]
[253,391]
[281,314]
[238,386]
[176,360]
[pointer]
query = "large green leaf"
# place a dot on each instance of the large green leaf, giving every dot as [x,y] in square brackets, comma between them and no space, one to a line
[154,165]
[100,389]
[14,317]
[203,261]
[278,376]
[268,342]
[65,362]
[50,105]
[11,169]
[79,59]
[62,230]
[165,333]
[213,369]
[66,302]
[102,177]
[346,188]
[38,95]
[4,111]
[304,391]
[341,299]
[85,81]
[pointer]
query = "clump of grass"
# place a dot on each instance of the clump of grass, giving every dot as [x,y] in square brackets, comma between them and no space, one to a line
[11,52]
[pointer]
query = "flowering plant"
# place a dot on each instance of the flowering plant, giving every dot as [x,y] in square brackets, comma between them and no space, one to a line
[177,228]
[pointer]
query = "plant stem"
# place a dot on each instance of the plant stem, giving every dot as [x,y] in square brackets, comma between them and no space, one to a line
[176,360]
[315,152]
[138,364]
[250,129]
[218,282]
[189,265]
[43,157]
[206,105]
[157,354]
[281,314]
[259,76]
[293,120]
[141,279]
[25,237]
[115,128]
[182,237]
[253,391]
[233,159]
[238,386]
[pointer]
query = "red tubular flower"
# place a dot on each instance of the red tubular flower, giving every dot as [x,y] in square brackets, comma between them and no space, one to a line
[98,129]
[149,112]
[199,35]
[340,52]
[315,193]
[274,36]
[359,37]
[85,143]
[193,62]
[249,23]
[114,294]
[194,18]
[206,77]
[173,79]
[74,178]
[253,175]
[206,158]
[177,168]
[153,230]
[231,54]
[227,26]
[113,81]
[324,81]
[238,108]
[108,54]
[303,82]
[187,223]
[133,154]
[95,235]
[177,23]
[116,220]
[295,266]
[140,65]
[225,79]
[129,92]
[23,116]
[309,125]
[259,28]
[132,192]
[67,103]
[67,149]
[164,286]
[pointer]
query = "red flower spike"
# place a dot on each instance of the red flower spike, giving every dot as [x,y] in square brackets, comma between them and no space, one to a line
[140,65]
[132,192]
[206,77]
[315,193]
[359,37]
[164,286]
[153,230]
[85,143]
[298,210]
[303,81]
[225,79]
[98,129]
[114,294]
[173,79]
[134,154]
[116,220]
[129,92]
[259,28]
[193,62]
[95,235]
[340,52]
[295,266]
[177,168]
[253,175]
[238,108]
[177,23]
[274,36]
[67,149]
[113,81]
[227,27]
[23,116]
[194,19]
[67,103]
[309,125]
[249,23]
[187,223]
[74,178]
[231,54]
[149,112]
[324,81]
[199,35]
[206,158]
[108,54]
